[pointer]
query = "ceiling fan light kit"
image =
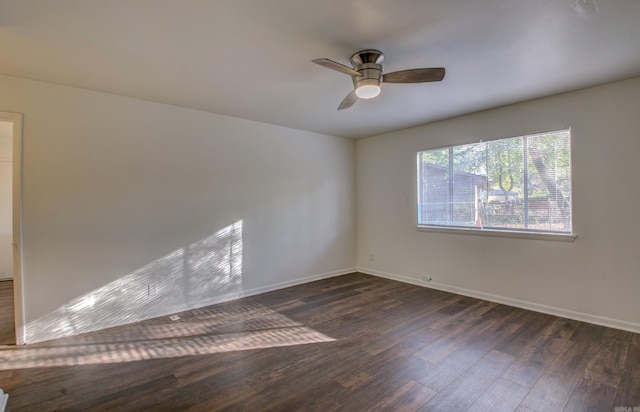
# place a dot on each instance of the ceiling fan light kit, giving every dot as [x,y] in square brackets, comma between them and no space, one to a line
[368,91]
[367,75]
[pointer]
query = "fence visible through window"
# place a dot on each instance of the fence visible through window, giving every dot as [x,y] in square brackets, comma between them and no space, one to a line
[517,184]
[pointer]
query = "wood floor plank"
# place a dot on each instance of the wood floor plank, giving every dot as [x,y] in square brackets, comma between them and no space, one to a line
[360,373]
[420,336]
[524,409]
[326,395]
[464,391]
[460,304]
[502,396]
[409,397]
[7,318]
[303,367]
[534,326]
[377,345]
[540,353]
[473,348]
[473,325]
[628,390]
[554,388]
[590,395]
[550,393]
[608,364]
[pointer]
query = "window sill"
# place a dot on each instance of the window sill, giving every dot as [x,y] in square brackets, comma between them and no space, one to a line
[561,237]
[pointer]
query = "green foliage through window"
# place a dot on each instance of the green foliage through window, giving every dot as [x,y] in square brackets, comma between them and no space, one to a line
[515,184]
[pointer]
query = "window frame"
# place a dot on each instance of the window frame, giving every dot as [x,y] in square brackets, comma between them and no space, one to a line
[493,231]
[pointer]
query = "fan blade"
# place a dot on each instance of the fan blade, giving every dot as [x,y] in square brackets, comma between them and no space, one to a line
[349,100]
[415,75]
[330,64]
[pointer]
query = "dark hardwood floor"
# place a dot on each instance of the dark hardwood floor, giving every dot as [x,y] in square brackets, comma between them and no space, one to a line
[7,328]
[350,343]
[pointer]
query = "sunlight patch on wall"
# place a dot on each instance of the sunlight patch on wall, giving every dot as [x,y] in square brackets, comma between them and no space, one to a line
[202,273]
[230,327]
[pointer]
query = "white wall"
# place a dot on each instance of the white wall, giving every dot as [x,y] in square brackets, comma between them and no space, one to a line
[595,278]
[121,194]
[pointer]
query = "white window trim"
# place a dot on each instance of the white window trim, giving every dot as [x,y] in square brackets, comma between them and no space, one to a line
[562,237]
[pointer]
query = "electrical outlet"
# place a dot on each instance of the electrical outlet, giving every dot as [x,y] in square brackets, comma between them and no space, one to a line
[372,257]
[426,278]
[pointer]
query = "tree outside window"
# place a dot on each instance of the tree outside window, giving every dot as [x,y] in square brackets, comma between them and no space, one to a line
[516,184]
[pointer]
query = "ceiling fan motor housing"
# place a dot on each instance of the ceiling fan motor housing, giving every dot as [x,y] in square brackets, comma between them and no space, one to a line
[371,75]
[367,63]
[367,56]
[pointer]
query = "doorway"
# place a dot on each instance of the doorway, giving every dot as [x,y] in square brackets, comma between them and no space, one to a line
[6,203]
[11,309]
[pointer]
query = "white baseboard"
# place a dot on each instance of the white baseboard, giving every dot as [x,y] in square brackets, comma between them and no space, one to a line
[282,285]
[523,304]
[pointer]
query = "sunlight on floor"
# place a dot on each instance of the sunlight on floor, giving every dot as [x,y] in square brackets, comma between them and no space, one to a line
[235,327]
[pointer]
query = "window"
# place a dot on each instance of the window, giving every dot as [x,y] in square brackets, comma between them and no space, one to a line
[518,184]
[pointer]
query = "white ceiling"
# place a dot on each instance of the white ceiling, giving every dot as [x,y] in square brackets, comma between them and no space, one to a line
[252,58]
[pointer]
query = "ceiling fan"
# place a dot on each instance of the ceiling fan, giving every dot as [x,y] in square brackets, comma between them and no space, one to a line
[367,75]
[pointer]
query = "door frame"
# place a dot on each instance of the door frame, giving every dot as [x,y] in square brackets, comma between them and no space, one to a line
[18,276]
